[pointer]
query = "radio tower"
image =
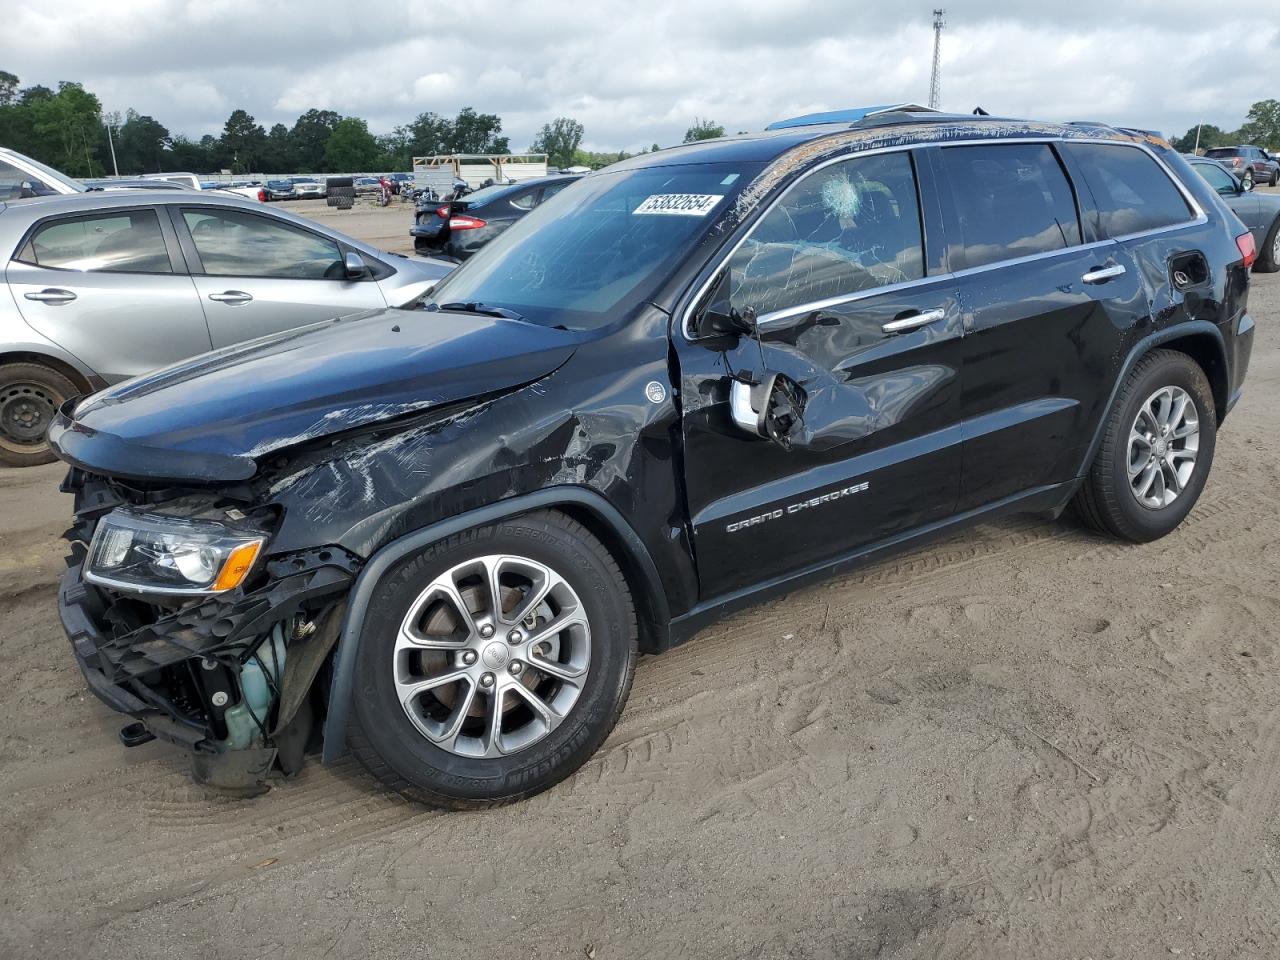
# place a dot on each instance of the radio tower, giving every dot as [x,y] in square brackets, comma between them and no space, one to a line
[935,80]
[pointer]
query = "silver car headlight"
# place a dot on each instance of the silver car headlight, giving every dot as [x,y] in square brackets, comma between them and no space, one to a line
[156,554]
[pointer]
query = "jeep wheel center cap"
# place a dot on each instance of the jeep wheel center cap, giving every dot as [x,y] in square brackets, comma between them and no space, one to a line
[495,655]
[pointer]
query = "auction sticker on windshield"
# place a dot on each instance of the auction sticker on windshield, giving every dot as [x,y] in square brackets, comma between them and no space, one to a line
[679,204]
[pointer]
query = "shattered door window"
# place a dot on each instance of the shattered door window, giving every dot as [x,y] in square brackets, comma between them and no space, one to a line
[850,227]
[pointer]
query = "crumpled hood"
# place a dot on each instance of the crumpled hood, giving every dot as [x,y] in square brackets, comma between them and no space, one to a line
[206,419]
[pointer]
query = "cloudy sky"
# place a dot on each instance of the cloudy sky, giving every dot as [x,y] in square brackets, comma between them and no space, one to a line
[635,72]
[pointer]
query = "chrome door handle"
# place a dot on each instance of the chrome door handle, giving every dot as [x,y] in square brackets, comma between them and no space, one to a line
[51,296]
[1103,274]
[232,296]
[913,321]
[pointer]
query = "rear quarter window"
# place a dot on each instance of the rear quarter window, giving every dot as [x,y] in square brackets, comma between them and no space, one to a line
[1132,193]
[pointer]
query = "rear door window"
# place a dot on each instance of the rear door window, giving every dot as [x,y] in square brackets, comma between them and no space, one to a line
[1217,178]
[1011,200]
[850,227]
[119,242]
[235,244]
[1131,191]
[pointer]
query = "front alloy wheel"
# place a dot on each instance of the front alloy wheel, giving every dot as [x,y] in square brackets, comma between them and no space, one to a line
[494,663]
[492,656]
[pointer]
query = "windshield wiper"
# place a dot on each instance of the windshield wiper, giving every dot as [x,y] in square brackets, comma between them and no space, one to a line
[483,309]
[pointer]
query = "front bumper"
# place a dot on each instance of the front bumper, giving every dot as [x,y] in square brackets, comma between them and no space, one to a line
[87,644]
[151,672]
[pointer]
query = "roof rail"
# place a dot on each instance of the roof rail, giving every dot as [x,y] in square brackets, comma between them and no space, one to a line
[849,115]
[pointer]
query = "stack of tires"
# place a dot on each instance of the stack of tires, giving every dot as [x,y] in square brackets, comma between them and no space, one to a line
[340,192]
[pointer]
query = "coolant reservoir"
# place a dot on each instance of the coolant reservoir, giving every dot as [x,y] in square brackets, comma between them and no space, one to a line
[255,693]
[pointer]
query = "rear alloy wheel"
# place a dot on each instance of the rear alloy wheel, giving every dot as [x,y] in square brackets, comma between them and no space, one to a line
[1163,444]
[1275,177]
[1269,255]
[494,664]
[1157,448]
[30,394]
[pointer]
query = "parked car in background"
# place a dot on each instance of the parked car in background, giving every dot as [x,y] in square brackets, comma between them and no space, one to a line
[186,179]
[1260,212]
[248,191]
[400,181]
[131,183]
[278,190]
[190,180]
[106,286]
[307,188]
[694,381]
[22,177]
[1251,164]
[458,228]
[364,185]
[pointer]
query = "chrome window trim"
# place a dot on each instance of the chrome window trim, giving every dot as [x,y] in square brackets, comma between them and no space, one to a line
[768,319]
[1199,217]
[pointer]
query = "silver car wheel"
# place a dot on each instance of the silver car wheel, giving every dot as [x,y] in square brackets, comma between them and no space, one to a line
[1163,444]
[26,410]
[492,656]
[1275,249]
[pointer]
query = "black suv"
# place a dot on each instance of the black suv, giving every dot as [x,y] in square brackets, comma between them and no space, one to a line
[439,538]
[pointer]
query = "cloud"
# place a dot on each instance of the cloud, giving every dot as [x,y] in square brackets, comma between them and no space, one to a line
[636,74]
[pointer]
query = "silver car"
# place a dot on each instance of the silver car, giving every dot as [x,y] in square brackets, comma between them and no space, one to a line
[106,286]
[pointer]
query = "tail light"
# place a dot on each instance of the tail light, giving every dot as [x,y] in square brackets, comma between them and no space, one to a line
[467,223]
[262,196]
[1237,161]
[1248,249]
[442,211]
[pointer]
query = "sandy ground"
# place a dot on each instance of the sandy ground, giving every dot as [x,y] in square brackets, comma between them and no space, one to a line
[1026,742]
[386,228]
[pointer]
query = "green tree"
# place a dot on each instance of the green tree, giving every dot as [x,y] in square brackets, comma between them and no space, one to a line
[65,125]
[559,140]
[308,138]
[655,148]
[472,132]
[351,147]
[8,88]
[429,134]
[395,150]
[187,154]
[142,144]
[1210,136]
[703,130]
[1262,125]
[278,156]
[244,141]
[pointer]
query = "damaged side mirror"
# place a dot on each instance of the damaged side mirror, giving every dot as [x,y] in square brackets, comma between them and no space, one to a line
[718,316]
[772,409]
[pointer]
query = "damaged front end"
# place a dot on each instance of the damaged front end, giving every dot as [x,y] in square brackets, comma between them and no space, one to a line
[227,672]
[212,552]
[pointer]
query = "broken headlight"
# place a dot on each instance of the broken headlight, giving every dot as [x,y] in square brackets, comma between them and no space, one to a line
[166,555]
